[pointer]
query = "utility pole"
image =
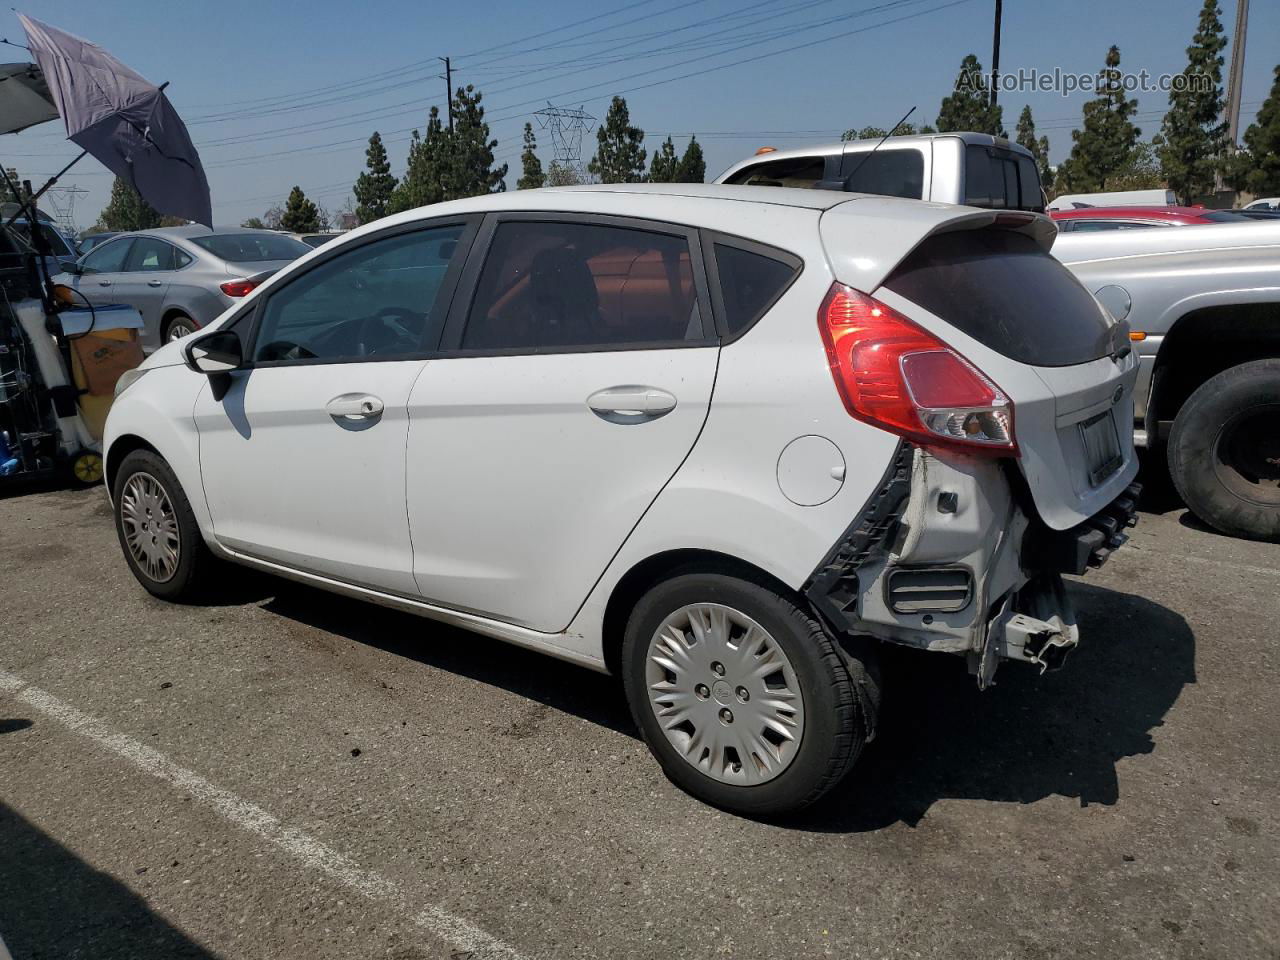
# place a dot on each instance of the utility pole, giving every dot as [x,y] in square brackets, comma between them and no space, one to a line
[448,88]
[995,53]
[1235,80]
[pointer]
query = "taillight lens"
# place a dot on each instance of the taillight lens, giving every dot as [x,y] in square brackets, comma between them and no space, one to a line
[898,376]
[237,288]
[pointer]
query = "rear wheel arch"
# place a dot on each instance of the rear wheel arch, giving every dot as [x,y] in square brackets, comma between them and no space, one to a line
[171,314]
[651,571]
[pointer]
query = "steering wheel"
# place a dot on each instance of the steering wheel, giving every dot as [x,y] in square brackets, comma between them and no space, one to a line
[403,338]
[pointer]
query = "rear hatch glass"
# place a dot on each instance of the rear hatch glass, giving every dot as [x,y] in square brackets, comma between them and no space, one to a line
[1002,289]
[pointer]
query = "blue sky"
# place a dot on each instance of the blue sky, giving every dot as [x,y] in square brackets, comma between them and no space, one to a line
[280,93]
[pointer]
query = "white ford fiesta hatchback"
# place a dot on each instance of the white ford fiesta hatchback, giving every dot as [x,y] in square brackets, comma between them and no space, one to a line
[718,440]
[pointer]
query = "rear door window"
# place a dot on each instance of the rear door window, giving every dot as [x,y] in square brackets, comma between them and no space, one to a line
[551,286]
[1002,289]
[889,173]
[750,278]
[150,254]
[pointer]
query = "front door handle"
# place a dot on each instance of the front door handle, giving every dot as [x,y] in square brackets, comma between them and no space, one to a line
[631,404]
[155,283]
[352,407]
[104,283]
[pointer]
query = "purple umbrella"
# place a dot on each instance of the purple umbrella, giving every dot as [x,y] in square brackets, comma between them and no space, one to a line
[125,122]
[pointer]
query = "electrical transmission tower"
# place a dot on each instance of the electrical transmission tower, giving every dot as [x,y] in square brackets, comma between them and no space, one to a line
[567,125]
[63,202]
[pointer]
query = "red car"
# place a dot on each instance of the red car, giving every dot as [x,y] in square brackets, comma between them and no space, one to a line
[1128,218]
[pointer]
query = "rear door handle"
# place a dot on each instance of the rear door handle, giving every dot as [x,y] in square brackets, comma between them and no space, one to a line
[631,404]
[155,283]
[104,283]
[354,406]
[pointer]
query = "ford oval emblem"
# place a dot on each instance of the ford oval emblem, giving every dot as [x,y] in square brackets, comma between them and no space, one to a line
[1115,397]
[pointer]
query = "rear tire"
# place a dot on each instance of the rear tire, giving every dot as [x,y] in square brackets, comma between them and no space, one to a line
[1224,451]
[157,529]
[725,748]
[177,327]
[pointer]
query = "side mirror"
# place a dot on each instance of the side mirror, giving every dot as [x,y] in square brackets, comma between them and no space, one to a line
[215,355]
[70,266]
[217,352]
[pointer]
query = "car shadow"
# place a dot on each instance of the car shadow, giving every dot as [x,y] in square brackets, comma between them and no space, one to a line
[54,904]
[1027,738]
[557,684]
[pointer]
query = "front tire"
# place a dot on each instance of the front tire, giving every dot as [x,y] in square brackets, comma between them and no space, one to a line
[157,529]
[1224,451]
[741,695]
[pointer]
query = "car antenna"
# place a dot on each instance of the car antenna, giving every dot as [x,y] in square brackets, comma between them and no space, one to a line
[867,155]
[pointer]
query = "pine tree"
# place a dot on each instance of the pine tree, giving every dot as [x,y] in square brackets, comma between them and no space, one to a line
[1105,144]
[126,210]
[1039,147]
[18,193]
[968,108]
[620,153]
[375,186]
[300,214]
[1256,168]
[663,167]
[426,171]
[531,175]
[469,157]
[1192,137]
[692,167]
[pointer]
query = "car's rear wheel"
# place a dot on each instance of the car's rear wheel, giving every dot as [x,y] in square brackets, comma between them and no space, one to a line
[179,326]
[1224,450]
[158,531]
[741,695]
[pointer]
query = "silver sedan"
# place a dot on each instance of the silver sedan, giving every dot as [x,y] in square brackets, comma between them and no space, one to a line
[179,278]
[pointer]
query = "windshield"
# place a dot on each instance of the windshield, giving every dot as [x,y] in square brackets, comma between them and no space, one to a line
[251,247]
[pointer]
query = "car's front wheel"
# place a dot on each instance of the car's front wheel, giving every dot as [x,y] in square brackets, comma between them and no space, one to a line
[158,531]
[741,695]
[1224,450]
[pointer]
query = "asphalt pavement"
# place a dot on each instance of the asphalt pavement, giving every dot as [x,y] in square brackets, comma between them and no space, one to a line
[288,774]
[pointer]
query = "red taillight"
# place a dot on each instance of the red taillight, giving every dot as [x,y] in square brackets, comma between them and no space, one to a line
[237,288]
[896,375]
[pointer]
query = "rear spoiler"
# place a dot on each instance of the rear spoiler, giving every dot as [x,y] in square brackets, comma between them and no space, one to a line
[867,237]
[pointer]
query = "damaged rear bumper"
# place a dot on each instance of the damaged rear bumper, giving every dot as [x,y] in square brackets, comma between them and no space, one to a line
[945,557]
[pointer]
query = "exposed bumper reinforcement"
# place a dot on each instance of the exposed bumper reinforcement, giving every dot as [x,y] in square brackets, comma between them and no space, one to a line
[1087,544]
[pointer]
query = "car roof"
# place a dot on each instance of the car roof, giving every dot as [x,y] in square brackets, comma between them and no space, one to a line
[1135,212]
[200,230]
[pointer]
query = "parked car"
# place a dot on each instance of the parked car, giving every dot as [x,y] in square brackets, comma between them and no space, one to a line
[179,278]
[94,239]
[1204,306]
[61,253]
[1096,219]
[315,239]
[1114,198]
[1266,203]
[719,446]
[976,169]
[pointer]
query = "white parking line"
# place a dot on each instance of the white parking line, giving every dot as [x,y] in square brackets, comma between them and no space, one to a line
[452,929]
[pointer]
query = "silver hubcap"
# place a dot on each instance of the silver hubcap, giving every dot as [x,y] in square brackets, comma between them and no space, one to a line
[179,329]
[150,527]
[725,694]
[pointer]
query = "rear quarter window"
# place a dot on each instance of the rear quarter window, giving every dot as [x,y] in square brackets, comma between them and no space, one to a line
[1002,289]
[750,279]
